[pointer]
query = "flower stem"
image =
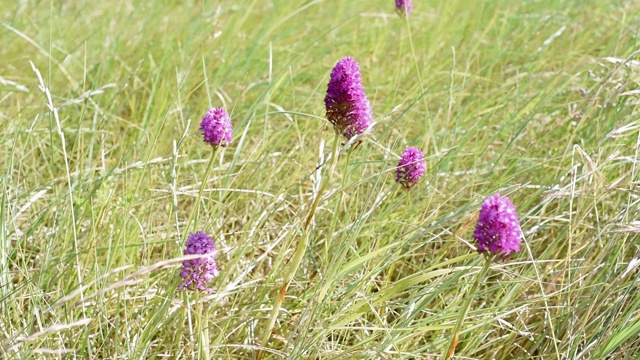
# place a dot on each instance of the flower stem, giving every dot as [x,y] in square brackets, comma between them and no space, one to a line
[325,182]
[392,268]
[328,240]
[183,314]
[203,331]
[204,334]
[453,342]
[298,255]
[295,263]
[194,212]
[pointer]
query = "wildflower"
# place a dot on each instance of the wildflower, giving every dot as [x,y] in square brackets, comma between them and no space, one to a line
[403,6]
[498,228]
[410,168]
[348,108]
[216,127]
[198,272]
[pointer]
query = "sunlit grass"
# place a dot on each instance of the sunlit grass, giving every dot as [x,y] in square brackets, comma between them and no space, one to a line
[532,99]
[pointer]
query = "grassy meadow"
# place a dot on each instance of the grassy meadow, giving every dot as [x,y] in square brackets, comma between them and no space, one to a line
[102,162]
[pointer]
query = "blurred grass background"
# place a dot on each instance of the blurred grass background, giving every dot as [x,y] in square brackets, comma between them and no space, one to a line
[537,100]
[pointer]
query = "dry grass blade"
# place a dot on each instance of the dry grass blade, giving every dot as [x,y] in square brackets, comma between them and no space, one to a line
[18,341]
[131,280]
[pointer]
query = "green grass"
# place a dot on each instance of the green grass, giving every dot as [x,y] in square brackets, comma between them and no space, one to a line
[525,98]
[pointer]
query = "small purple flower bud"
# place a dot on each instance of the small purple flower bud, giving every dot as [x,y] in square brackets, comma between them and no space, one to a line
[348,108]
[403,6]
[197,273]
[498,229]
[216,127]
[410,168]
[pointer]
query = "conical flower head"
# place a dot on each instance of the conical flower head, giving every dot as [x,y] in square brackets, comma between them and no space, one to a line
[410,168]
[403,6]
[216,127]
[498,229]
[197,273]
[348,108]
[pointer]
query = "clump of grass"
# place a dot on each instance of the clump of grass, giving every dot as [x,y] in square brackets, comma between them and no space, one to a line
[103,165]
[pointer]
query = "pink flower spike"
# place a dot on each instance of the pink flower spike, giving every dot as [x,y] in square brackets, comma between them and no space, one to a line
[498,228]
[216,127]
[410,168]
[197,273]
[348,108]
